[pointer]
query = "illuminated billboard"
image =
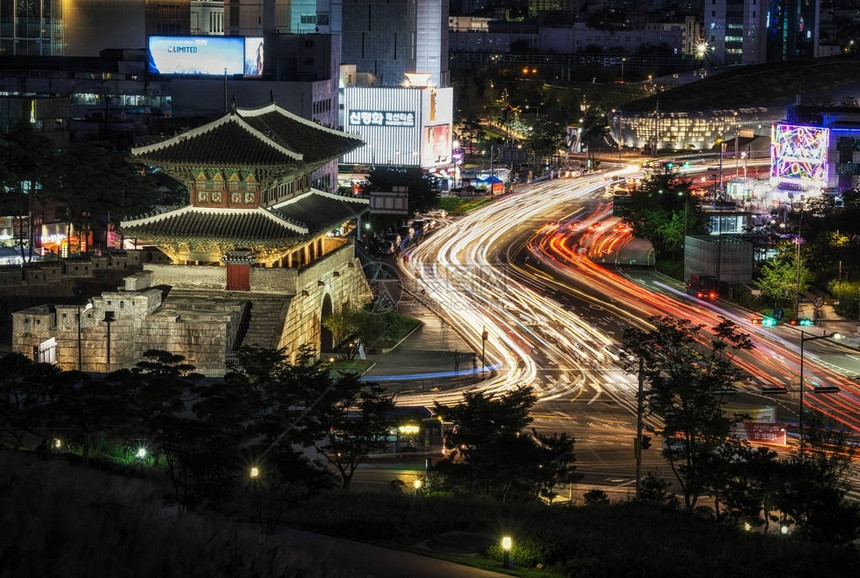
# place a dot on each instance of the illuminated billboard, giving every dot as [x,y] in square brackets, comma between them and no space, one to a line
[254,56]
[437,142]
[381,118]
[799,153]
[197,55]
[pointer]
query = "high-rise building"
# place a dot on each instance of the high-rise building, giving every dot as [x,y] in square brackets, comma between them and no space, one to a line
[86,27]
[792,29]
[207,17]
[391,38]
[33,28]
[255,17]
[734,32]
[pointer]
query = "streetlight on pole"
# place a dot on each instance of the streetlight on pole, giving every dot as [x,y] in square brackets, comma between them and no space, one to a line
[484,337]
[797,241]
[619,139]
[804,339]
[110,317]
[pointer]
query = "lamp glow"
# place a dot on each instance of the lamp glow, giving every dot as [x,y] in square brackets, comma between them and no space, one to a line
[506,548]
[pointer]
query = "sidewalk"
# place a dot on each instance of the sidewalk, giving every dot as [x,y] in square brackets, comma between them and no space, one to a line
[345,558]
[433,357]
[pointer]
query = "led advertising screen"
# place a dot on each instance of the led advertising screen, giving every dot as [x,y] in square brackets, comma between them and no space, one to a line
[437,142]
[799,153]
[254,56]
[197,55]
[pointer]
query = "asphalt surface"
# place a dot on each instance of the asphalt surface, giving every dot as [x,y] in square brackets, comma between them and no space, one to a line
[433,356]
[344,558]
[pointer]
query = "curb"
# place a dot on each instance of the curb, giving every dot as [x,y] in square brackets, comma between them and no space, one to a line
[402,339]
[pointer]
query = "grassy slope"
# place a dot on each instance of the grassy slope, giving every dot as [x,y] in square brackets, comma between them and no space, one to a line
[759,86]
[64,521]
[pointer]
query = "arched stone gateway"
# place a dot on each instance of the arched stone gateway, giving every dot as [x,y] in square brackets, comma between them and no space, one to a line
[252,258]
[326,340]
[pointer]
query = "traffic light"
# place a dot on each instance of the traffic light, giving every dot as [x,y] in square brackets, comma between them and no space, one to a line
[805,322]
[645,443]
[755,321]
[793,322]
[768,322]
[825,389]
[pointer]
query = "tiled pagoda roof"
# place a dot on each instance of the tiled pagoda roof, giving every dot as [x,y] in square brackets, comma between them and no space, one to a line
[320,211]
[267,136]
[289,223]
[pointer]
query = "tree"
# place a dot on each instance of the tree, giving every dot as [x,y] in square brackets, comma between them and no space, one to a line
[352,328]
[553,463]
[780,279]
[355,419]
[812,487]
[740,481]
[23,390]
[95,186]
[595,128]
[548,136]
[686,375]
[86,408]
[156,387]
[301,405]
[662,210]
[28,160]
[490,454]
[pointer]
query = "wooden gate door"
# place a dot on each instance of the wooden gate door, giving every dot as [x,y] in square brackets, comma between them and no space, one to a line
[238,277]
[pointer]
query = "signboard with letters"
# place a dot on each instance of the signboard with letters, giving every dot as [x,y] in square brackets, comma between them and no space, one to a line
[389,202]
[761,432]
[381,118]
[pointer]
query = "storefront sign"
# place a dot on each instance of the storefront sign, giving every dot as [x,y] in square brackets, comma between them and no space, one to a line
[381,118]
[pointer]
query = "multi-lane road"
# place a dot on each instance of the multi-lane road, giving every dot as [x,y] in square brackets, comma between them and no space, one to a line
[531,281]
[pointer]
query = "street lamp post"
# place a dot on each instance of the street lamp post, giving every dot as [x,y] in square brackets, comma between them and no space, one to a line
[110,317]
[804,339]
[797,258]
[78,316]
[620,124]
[484,337]
[623,60]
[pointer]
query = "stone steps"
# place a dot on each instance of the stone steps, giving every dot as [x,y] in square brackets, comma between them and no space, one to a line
[266,323]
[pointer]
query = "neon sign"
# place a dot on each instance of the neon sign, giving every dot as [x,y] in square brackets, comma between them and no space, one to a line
[381,118]
[799,152]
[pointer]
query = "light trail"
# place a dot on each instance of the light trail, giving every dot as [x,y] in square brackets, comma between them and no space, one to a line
[532,339]
[775,362]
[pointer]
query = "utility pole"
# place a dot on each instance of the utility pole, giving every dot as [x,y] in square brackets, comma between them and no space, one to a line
[797,258]
[638,441]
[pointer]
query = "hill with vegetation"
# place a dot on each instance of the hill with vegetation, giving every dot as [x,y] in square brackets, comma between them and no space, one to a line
[815,81]
[70,520]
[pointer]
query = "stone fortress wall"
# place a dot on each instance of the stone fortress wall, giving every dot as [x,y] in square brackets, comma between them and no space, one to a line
[186,310]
